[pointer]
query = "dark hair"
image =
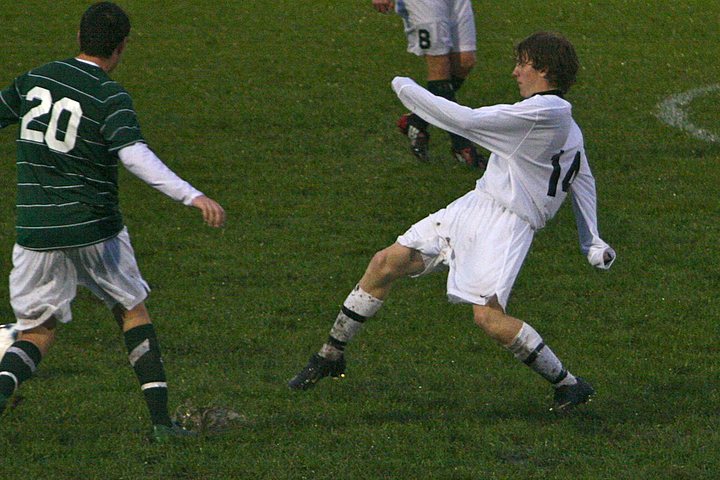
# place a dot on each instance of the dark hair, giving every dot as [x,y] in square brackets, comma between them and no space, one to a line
[552,53]
[103,27]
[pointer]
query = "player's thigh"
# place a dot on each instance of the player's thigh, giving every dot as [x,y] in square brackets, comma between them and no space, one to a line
[109,269]
[42,286]
[397,261]
[428,238]
[489,250]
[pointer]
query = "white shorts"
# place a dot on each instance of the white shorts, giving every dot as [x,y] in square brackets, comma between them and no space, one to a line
[44,283]
[438,27]
[482,243]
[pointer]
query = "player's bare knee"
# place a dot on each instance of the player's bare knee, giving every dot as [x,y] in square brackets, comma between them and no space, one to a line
[483,317]
[381,264]
[463,64]
[489,317]
[466,67]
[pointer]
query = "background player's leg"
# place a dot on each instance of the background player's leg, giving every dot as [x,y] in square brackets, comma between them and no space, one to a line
[446,74]
[413,126]
[461,64]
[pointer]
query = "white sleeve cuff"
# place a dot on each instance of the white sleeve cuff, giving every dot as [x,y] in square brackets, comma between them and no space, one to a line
[596,256]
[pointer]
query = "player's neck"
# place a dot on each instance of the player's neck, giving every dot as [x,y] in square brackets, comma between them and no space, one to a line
[107,64]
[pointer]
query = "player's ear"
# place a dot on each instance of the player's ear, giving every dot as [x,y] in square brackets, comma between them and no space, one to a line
[121,47]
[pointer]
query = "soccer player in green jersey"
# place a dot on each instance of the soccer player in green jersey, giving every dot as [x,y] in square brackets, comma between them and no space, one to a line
[75,126]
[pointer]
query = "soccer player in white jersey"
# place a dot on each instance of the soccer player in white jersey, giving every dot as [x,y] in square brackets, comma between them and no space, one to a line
[443,33]
[75,126]
[537,159]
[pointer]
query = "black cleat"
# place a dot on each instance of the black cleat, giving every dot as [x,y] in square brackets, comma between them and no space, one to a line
[470,157]
[419,137]
[569,396]
[318,367]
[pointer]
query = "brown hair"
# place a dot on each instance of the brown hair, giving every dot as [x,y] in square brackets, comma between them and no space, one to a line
[552,53]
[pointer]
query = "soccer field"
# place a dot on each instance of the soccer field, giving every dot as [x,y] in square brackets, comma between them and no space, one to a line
[283,112]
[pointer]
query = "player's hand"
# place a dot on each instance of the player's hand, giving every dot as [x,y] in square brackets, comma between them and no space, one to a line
[213,213]
[383,6]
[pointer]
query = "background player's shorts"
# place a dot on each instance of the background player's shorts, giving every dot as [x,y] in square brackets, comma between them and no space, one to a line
[438,27]
[44,283]
[482,243]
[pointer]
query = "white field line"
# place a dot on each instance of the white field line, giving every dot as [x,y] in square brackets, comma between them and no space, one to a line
[673,111]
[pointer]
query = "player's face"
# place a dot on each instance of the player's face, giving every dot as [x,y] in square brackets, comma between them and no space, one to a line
[530,81]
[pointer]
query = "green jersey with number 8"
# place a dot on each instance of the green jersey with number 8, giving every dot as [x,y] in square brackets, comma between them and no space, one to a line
[73,119]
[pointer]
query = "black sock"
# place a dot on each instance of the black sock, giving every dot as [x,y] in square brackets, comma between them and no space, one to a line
[417,122]
[442,88]
[17,365]
[457,82]
[145,358]
[446,89]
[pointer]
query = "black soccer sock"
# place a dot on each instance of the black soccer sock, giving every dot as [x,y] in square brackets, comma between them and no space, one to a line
[145,358]
[417,122]
[442,88]
[457,82]
[18,365]
[446,89]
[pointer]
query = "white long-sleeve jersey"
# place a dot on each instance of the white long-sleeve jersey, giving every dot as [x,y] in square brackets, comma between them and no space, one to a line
[537,157]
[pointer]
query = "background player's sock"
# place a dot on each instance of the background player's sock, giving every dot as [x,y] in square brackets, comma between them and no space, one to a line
[417,122]
[446,89]
[145,358]
[456,82]
[358,307]
[529,348]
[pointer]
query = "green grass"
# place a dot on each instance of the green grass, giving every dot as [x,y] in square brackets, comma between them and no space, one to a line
[282,111]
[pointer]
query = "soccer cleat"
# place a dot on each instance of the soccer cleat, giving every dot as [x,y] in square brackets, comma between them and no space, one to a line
[318,367]
[165,434]
[569,396]
[3,402]
[419,137]
[470,157]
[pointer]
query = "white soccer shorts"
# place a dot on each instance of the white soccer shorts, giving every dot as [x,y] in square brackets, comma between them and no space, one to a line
[481,243]
[438,27]
[44,283]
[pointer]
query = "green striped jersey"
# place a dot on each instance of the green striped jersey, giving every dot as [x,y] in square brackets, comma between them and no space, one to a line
[73,119]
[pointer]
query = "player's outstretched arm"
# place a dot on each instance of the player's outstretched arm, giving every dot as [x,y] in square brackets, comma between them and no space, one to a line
[213,214]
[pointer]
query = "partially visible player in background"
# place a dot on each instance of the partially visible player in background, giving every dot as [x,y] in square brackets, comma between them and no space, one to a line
[75,126]
[538,159]
[443,33]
